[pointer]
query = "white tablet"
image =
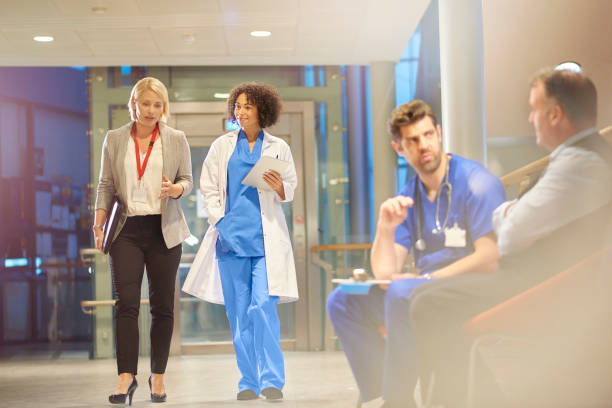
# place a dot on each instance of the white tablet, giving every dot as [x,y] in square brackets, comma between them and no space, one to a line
[265,163]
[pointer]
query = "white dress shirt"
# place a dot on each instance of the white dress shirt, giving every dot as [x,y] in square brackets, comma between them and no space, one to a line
[152,179]
[575,183]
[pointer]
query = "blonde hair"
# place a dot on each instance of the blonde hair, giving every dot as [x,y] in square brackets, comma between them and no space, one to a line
[149,84]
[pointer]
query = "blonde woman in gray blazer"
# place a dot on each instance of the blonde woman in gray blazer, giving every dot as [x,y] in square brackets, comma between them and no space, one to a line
[146,165]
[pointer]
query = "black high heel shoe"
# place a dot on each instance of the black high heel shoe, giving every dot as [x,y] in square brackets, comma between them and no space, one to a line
[120,398]
[156,397]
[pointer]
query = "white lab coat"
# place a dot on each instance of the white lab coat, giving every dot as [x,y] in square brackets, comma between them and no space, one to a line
[203,280]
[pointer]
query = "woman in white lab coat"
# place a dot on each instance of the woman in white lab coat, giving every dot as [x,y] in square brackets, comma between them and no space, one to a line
[246,260]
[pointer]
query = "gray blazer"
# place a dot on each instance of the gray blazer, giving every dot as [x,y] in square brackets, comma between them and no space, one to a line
[176,167]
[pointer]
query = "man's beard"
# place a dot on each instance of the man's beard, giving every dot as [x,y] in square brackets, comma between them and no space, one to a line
[432,166]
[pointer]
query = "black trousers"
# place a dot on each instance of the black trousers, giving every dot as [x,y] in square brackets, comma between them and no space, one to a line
[139,244]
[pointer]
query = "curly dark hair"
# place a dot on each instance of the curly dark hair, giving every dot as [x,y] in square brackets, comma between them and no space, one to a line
[265,97]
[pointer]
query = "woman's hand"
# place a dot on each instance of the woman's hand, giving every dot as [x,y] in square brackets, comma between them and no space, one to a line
[98,238]
[275,181]
[170,190]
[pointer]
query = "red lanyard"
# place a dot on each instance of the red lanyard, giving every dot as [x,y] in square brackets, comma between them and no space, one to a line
[142,169]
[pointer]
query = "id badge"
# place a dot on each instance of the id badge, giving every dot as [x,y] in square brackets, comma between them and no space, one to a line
[454,237]
[139,194]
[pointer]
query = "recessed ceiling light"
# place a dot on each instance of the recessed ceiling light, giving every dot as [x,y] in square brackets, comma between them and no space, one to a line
[189,38]
[260,33]
[570,66]
[43,38]
[98,10]
[221,95]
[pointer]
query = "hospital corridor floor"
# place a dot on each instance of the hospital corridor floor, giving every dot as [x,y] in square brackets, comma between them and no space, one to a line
[313,380]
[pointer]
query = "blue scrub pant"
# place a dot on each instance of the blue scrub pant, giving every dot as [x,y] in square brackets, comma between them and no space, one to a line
[253,318]
[381,367]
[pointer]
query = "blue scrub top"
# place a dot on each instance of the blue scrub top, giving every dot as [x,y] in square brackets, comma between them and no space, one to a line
[240,230]
[476,193]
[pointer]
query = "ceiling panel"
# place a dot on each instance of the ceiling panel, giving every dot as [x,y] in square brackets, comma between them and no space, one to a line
[121,42]
[190,41]
[327,30]
[315,7]
[165,7]
[5,45]
[117,36]
[84,8]
[129,49]
[260,6]
[25,9]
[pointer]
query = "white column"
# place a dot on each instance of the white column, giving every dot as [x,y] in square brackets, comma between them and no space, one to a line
[462,78]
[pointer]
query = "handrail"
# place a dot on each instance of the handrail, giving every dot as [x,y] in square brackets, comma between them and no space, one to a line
[340,247]
[62,265]
[326,266]
[92,304]
[519,175]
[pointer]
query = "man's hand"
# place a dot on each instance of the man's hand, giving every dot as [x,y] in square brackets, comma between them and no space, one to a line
[398,276]
[393,211]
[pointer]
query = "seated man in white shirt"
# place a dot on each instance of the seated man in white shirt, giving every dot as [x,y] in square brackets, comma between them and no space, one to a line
[560,221]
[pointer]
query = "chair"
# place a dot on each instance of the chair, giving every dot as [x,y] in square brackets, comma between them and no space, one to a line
[521,331]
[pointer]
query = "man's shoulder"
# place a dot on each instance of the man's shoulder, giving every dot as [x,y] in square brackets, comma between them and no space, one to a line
[469,169]
[465,164]
[477,179]
[595,143]
[584,150]
[577,160]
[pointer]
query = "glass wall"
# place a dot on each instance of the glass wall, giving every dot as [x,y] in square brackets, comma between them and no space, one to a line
[44,176]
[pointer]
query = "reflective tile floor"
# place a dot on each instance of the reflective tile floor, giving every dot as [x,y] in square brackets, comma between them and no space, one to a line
[69,379]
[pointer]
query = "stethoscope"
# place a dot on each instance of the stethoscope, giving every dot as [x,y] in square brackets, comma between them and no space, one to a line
[420,242]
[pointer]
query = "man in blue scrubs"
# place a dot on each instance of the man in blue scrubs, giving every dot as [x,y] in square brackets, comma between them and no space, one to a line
[444,217]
